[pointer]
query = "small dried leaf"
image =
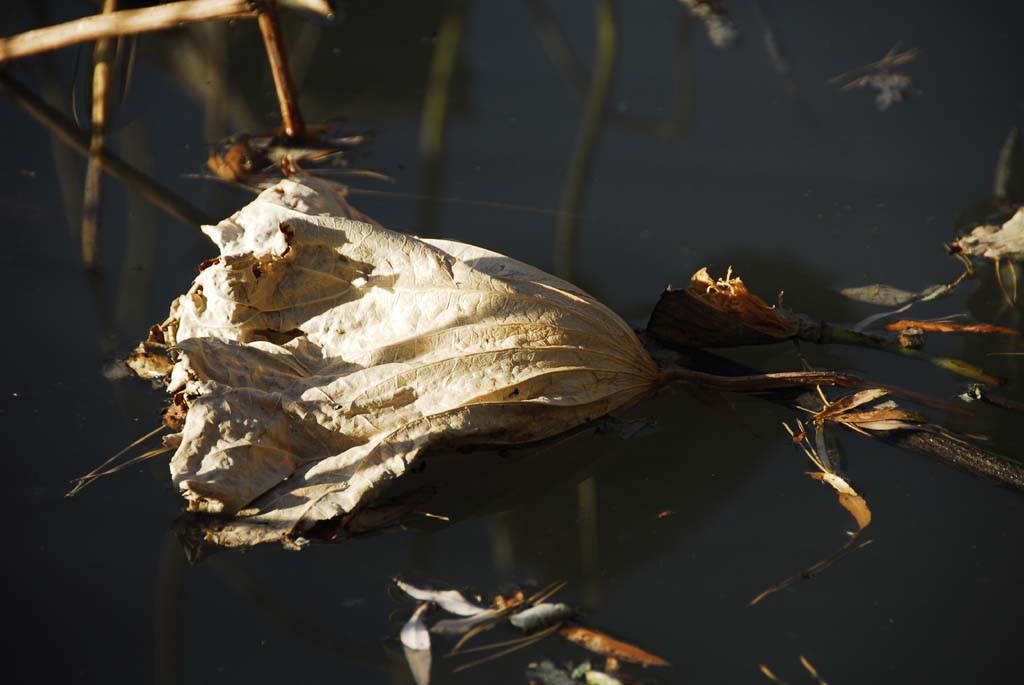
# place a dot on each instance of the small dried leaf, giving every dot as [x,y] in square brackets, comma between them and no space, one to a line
[602,644]
[848,497]
[835,480]
[945,327]
[542,615]
[880,294]
[851,401]
[414,634]
[888,425]
[451,601]
[858,508]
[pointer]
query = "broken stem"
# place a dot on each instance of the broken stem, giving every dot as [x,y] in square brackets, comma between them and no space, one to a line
[122,23]
[287,99]
[761,382]
[65,131]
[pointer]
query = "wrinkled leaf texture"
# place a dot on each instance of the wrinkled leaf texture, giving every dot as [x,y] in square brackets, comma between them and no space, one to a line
[321,353]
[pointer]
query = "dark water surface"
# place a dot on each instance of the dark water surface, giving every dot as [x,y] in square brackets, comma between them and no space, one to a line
[709,157]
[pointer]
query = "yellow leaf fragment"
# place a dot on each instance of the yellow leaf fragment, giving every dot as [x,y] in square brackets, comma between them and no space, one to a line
[848,497]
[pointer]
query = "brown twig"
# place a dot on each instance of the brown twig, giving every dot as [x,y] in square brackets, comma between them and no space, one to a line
[273,39]
[122,23]
[65,131]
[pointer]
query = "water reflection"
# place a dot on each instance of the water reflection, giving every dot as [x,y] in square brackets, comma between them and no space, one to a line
[738,181]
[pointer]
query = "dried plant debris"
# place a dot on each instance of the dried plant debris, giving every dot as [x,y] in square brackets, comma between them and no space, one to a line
[451,601]
[719,312]
[258,161]
[979,393]
[892,86]
[881,418]
[320,353]
[532,615]
[541,616]
[722,32]
[722,312]
[547,673]
[805,662]
[886,295]
[1000,243]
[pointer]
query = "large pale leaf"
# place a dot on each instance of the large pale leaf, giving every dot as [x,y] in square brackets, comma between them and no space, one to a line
[321,353]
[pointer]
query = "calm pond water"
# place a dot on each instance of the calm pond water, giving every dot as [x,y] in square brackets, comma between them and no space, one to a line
[708,157]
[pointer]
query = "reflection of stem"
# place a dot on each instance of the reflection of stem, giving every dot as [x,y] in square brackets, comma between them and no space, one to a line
[556,44]
[586,142]
[170,581]
[70,135]
[435,113]
[273,39]
[294,620]
[123,23]
[140,248]
[587,509]
[93,198]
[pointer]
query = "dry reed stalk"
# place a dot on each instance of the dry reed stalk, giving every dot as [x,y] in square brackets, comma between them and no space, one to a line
[273,39]
[122,23]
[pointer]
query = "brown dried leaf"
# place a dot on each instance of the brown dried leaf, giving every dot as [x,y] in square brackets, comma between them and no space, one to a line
[719,313]
[851,401]
[848,497]
[602,644]
[320,354]
[945,327]
[858,508]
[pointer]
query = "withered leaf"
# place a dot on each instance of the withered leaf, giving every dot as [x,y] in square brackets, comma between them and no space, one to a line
[946,327]
[451,601]
[720,312]
[602,644]
[321,353]
[848,497]
[1004,242]
[851,401]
